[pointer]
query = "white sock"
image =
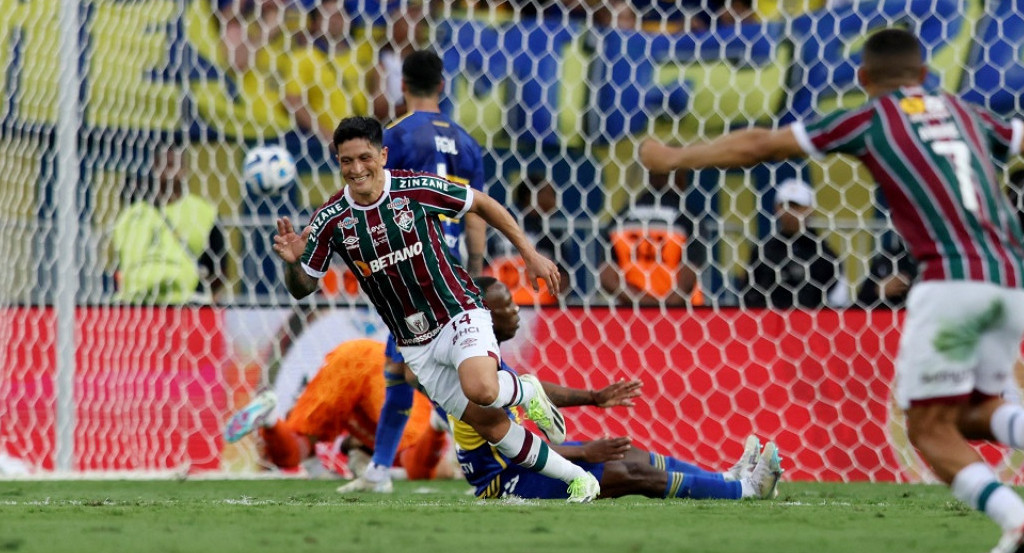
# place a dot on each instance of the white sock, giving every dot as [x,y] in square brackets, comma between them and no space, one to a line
[977,486]
[512,391]
[529,451]
[1008,425]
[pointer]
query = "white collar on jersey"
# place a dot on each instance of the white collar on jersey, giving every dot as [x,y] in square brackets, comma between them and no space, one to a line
[387,189]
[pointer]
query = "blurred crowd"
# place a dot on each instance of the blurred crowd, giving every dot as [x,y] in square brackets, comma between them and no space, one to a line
[329,59]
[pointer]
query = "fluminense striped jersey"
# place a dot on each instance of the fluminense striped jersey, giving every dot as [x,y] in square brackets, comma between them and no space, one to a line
[433,143]
[935,157]
[396,249]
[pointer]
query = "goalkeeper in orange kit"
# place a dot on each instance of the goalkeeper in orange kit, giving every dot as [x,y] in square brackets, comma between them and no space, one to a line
[345,396]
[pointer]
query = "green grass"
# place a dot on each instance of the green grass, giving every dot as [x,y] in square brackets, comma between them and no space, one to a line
[299,516]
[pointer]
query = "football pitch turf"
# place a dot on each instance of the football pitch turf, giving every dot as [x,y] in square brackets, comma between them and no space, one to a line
[307,515]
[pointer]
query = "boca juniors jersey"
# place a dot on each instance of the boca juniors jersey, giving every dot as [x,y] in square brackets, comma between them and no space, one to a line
[432,143]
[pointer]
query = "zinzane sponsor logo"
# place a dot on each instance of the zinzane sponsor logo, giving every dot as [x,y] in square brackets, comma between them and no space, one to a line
[428,182]
[325,215]
[396,256]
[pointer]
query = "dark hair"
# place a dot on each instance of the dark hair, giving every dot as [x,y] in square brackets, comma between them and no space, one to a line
[522,195]
[893,54]
[422,72]
[351,128]
[484,282]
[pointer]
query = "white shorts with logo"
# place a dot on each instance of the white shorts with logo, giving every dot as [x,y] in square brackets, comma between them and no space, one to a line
[958,337]
[435,364]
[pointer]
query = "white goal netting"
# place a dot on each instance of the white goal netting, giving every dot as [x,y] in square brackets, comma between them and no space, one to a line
[101,371]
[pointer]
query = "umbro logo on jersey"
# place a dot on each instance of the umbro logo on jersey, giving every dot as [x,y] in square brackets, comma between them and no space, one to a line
[351,241]
[348,222]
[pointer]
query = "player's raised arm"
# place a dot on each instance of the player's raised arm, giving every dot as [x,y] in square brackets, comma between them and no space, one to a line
[537,266]
[289,245]
[741,148]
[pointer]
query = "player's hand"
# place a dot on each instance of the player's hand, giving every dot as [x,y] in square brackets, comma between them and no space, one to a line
[606,449]
[657,157]
[619,394]
[894,285]
[538,266]
[288,245]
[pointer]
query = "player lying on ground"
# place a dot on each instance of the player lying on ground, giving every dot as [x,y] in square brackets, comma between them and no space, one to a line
[620,468]
[345,396]
[625,469]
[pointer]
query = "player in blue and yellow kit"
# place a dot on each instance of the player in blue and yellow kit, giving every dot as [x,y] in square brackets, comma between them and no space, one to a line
[424,140]
[621,468]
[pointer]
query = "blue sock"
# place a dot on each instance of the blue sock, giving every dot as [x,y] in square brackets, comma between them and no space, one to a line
[695,486]
[393,416]
[671,464]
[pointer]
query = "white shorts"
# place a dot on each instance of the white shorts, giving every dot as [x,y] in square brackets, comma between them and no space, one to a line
[958,337]
[436,364]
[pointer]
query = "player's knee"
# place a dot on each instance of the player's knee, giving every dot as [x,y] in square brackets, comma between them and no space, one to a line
[480,392]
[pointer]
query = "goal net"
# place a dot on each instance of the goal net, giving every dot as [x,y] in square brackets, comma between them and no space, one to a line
[106,371]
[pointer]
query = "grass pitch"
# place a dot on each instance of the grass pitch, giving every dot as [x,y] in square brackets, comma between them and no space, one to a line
[424,517]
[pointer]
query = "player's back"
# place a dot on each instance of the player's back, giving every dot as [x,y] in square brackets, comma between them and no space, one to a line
[433,143]
[935,157]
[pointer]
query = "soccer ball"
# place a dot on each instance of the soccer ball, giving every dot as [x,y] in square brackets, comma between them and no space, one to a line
[268,169]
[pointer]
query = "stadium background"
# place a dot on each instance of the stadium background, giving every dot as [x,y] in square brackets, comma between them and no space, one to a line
[152,385]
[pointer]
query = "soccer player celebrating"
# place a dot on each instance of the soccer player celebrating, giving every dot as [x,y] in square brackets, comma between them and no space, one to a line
[384,225]
[934,157]
[424,140]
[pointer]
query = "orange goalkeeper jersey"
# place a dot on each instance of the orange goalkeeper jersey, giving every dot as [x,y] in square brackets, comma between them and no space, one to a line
[346,395]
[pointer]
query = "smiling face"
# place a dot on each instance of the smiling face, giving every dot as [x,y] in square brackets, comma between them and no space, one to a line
[504,313]
[362,167]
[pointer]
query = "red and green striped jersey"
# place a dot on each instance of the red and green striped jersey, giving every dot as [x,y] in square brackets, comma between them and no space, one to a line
[935,158]
[397,251]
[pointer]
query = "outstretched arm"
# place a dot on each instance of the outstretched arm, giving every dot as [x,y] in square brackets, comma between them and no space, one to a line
[288,245]
[537,266]
[741,148]
[618,394]
[596,451]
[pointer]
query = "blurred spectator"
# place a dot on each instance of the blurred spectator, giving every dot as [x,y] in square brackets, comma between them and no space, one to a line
[536,201]
[672,16]
[406,30]
[651,255]
[168,246]
[736,12]
[891,273]
[794,267]
[246,26]
[327,76]
[617,14]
